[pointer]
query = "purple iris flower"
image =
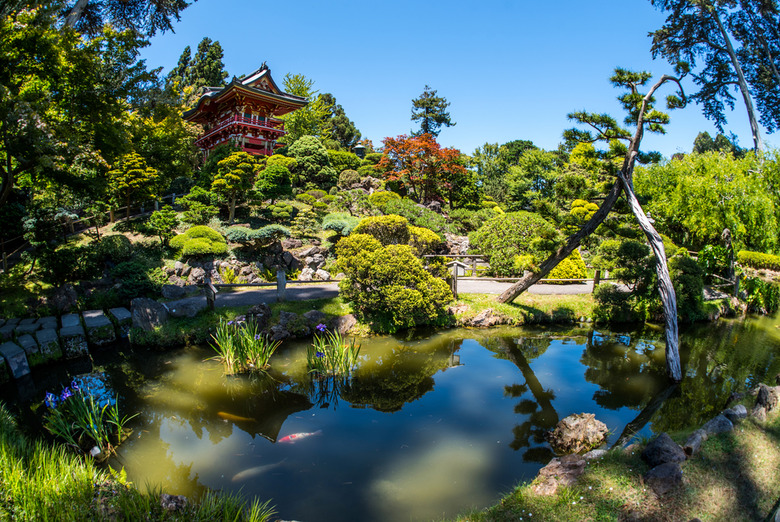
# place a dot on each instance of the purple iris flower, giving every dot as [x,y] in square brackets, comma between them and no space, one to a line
[257,337]
[50,400]
[74,385]
[230,323]
[65,394]
[321,327]
[320,355]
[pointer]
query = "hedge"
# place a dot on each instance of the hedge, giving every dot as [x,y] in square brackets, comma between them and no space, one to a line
[758,260]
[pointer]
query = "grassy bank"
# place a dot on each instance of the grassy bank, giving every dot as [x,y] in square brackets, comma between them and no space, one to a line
[736,477]
[39,481]
[531,308]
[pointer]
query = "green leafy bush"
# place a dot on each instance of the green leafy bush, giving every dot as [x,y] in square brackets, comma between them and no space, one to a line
[139,277]
[348,178]
[688,281]
[467,220]
[388,285]
[714,259]
[573,267]
[306,198]
[115,248]
[329,199]
[380,198]
[373,158]
[257,238]
[70,263]
[761,296]
[505,237]
[342,160]
[340,222]
[365,171]
[614,305]
[317,193]
[199,214]
[389,230]
[199,240]
[305,224]
[418,215]
[758,260]
[423,240]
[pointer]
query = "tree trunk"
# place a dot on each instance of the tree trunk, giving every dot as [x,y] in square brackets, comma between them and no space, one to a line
[525,282]
[232,212]
[758,143]
[665,288]
[75,14]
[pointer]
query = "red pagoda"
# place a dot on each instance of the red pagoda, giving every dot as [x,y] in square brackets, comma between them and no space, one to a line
[245,113]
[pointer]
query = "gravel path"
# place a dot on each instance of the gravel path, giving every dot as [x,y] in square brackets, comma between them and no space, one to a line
[249,297]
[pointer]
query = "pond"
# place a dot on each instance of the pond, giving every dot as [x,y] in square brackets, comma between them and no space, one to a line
[430,425]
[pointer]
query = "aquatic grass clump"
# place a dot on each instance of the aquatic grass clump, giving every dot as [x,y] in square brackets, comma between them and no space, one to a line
[85,417]
[331,354]
[241,346]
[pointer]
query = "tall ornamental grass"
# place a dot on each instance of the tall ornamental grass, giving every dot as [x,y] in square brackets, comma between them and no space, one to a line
[241,347]
[331,354]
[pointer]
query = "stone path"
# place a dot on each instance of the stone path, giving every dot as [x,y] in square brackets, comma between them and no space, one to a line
[250,297]
[27,343]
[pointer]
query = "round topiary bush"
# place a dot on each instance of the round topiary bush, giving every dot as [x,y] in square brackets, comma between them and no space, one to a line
[340,222]
[380,198]
[389,230]
[115,248]
[348,178]
[573,267]
[423,240]
[199,241]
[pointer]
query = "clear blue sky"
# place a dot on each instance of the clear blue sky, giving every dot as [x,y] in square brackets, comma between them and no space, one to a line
[511,69]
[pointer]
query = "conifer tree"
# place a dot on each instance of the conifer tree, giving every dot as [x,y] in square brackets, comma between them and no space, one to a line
[431,111]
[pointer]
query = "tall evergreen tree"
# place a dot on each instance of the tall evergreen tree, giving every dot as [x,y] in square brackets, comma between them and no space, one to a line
[342,130]
[431,111]
[179,73]
[697,30]
[207,69]
[144,17]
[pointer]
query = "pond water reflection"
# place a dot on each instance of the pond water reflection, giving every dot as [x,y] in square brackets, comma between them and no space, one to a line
[429,426]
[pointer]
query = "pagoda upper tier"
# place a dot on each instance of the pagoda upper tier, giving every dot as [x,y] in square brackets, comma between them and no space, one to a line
[245,113]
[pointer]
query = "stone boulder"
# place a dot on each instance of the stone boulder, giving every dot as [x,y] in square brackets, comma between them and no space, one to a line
[148,314]
[189,308]
[735,414]
[314,318]
[577,433]
[661,450]
[64,299]
[307,274]
[664,478]
[290,243]
[322,274]
[456,245]
[179,292]
[487,318]
[197,276]
[343,323]
[561,471]
[766,401]
[719,424]
[260,314]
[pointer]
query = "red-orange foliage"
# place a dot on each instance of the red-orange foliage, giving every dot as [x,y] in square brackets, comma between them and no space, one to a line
[422,166]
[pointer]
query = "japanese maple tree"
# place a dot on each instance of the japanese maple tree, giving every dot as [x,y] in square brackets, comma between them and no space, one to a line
[427,171]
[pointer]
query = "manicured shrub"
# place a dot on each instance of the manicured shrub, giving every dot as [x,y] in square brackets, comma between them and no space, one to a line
[388,285]
[418,215]
[340,222]
[342,160]
[373,158]
[257,238]
[389,230]
[199,240]
[614,305]
[305,224]
[582,210]
[281,212]
[139,277]
[380,198]
[348,178]
[573,267]
[306,198]
[367,170]
[758,260]
[423,240]
[317,193]
[329,199]
[70,263]
[505,237]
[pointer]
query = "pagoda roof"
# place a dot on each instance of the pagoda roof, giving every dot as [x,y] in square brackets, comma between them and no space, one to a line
[258,85]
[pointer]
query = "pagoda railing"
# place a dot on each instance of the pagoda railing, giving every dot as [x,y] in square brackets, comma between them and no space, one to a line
[270,124]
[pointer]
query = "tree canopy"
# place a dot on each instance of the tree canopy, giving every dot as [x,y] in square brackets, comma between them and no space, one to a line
[431,111]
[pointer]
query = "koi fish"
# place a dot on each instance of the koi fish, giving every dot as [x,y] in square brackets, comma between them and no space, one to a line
[254,472]
[234,418]
[293,438]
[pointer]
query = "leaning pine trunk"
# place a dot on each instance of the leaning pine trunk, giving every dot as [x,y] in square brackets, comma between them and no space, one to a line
[665,288]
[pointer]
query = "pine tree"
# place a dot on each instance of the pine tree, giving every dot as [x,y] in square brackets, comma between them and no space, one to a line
[431,111]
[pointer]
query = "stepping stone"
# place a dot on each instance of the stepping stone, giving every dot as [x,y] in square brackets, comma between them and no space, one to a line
[123,320]
[49,344]
[7,332]
[100,330]
[15,358]
[26,321]
[48,322]
[69,320]
[11,322]
[74,341]
[26,328]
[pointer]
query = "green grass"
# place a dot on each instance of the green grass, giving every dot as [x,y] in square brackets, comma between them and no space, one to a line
[735,477]
[531,308]
[19,293]
[43,482]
